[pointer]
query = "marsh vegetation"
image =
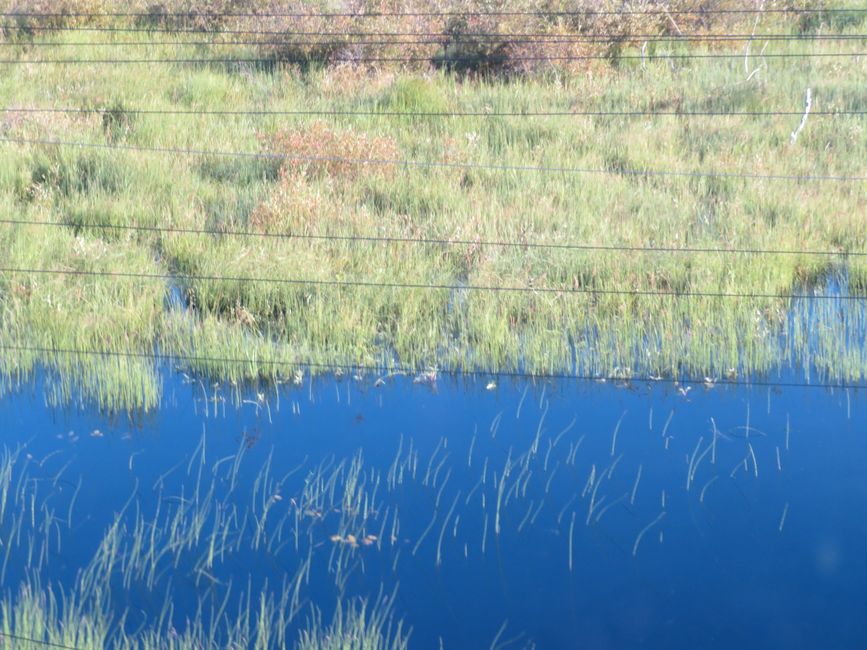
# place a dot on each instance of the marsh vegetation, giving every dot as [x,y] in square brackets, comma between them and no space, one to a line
[283,221]
[301,254]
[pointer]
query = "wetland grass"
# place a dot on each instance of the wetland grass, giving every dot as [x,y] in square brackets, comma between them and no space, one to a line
[356,626]
[240,252]
[644,530]
[783,517]
[91,196]
[191,536]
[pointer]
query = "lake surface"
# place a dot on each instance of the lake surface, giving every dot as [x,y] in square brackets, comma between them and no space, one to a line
[547,514]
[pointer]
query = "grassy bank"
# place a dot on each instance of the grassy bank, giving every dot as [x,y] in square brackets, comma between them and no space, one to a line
[610,310]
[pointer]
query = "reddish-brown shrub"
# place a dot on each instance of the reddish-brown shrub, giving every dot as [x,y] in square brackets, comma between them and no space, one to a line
[464,36]
[317,149]
[293,206]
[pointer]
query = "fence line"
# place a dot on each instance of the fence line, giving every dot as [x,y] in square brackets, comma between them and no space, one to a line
[369,284]
[397,370]
[439,60]
[431,241]
[390,162]
[444,114]
[431,39]
[469,35]
[792,11]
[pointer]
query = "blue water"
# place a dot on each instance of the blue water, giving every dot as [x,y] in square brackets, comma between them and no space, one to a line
[718,564]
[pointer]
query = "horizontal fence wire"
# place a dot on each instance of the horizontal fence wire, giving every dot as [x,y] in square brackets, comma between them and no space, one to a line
[452,287]
[792,11]
[393,369]
[435,59]
[426,164]
[28,639]
[467,36]
[431,241]
[443,114]
[363,39]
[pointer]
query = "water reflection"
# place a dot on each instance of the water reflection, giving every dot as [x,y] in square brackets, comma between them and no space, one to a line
[548,514]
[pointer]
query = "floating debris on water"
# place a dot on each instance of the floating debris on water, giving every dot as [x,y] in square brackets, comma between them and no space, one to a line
[426,377]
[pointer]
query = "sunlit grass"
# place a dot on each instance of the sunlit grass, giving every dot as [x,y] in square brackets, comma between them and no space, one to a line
[590,326]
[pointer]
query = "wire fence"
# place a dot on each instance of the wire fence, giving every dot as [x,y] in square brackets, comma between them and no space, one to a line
[427,164]
[432,241]
[356,39]
[791,11]
[445,59]
[398,370]
[432,114]
[394,39]
[590,36]
[574,290]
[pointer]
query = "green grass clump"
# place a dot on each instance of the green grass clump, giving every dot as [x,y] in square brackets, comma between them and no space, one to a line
[46,318]
[413,95]
[355,626]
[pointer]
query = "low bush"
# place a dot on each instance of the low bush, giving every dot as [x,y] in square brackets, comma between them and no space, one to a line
[26,21]
[317,149]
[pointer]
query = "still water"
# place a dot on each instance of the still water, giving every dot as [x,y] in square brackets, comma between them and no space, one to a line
[518,515]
